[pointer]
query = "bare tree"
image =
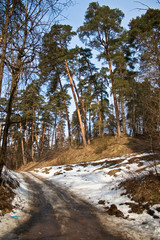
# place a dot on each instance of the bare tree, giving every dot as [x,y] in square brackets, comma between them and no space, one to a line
[7,10]
[21,35]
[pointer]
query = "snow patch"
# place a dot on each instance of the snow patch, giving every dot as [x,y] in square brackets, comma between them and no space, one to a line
[93,182]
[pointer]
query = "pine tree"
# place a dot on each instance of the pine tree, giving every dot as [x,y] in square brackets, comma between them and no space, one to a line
[101,30]
[20,38]
[30,104]
[55,52]
[144,37]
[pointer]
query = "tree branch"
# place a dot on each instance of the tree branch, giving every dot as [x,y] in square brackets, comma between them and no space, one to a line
[143,4]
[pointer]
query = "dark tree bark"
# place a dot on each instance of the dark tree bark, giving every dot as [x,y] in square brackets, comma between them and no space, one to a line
[4,36]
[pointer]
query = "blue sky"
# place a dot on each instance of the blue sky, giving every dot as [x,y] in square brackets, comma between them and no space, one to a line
[75,14]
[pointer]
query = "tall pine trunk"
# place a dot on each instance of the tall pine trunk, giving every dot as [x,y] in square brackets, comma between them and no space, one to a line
[35,131]
[99,107]
[67,115]
[123,116]
[76,103]
[81,102]
[114,94]
[55,130]
[90,131]
[22,144]
[42,136]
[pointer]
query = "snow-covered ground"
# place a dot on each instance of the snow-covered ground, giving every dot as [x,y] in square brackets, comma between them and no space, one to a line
[21,203]
[95,181]
[92,181]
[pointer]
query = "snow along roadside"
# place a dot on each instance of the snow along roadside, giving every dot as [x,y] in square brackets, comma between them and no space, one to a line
[92,182]
[21,205]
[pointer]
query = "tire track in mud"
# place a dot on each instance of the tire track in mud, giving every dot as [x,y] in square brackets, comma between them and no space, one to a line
[58,214]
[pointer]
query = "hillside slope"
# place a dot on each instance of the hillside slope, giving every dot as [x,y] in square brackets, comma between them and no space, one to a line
[100,148]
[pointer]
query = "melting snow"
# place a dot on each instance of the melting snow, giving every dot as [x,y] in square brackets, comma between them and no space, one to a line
[21,204]
[92,181]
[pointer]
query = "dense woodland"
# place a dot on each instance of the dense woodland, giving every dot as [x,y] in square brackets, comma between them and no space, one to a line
[40,73]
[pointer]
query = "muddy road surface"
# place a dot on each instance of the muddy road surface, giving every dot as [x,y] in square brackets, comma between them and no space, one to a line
[57,214]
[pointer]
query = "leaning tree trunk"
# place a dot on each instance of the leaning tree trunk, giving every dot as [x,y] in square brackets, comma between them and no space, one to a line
[80,100]
[76,103]
[75,100]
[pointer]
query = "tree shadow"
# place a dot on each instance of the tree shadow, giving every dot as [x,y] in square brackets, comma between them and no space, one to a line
[45,224]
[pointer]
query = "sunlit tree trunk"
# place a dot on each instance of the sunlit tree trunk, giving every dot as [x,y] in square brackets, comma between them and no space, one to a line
[123,116]
[114,95]
[99,107]
[22,144]
[76,103]
[81,102]
[43,135]
[67,115]
[35,130]
[55,130]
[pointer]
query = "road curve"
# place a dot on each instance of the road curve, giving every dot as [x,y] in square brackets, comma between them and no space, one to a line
[57,214]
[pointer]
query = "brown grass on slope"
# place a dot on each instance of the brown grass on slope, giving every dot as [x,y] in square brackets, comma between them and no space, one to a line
[100,148]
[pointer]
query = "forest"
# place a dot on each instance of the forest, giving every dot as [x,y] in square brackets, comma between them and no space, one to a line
[40,75]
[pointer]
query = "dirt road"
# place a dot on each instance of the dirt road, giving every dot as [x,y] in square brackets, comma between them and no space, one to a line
[57,214]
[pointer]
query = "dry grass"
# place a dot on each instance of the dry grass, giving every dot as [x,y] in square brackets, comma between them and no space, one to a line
[6,197]
[6,193]
[100,148]
[145,188]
